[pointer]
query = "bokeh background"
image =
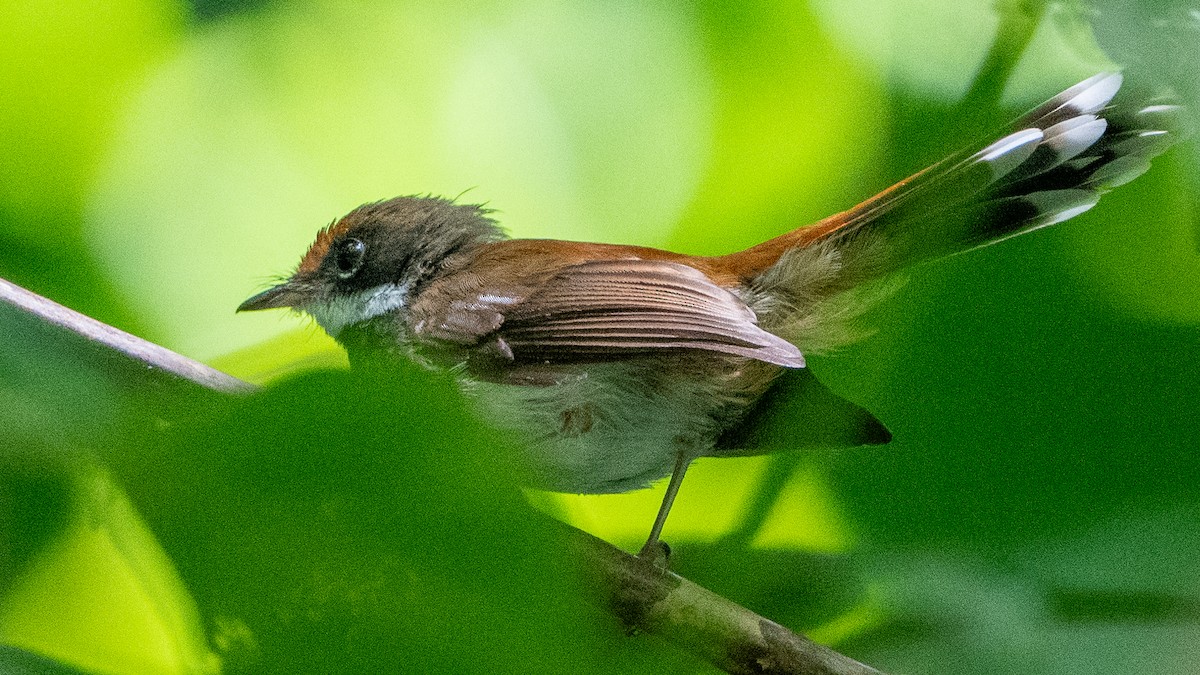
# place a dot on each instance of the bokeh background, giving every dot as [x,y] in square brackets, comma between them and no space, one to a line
[1037,512]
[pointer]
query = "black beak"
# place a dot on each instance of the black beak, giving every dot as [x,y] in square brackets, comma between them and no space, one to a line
[283,295]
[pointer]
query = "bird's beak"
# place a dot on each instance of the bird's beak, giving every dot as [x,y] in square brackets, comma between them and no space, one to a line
[287,294]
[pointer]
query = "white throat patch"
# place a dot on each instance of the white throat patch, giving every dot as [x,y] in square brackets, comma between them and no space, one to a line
[338,313]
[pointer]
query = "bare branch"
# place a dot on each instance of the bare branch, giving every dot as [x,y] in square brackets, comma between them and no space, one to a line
[731,637]
[160,362]
[1019,20]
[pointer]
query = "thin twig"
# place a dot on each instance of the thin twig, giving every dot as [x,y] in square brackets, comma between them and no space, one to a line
[1019,20]
[772,484]
[155,358]
[640,593]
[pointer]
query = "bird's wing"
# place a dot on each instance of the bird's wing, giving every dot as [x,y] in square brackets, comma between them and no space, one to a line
[597,310]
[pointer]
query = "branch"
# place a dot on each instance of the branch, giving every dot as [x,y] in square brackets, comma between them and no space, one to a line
[722,632]
[110,344]
[638,592]
[1019,20]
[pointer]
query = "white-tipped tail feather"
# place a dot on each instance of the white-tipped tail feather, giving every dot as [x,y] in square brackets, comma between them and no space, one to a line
[1054,164]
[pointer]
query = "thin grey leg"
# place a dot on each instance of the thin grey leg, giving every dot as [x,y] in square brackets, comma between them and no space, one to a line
[652,548]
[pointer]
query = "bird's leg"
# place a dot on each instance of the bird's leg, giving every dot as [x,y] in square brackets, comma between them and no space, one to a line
[655,549]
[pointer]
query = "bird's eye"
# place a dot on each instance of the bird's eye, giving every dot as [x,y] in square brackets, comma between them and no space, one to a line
[349,257]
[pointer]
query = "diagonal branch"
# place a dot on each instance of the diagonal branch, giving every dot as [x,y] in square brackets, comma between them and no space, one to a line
[719,630]
[1019,20]
[114,348]
[638,592]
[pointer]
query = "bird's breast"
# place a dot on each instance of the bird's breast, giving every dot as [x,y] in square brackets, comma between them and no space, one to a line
[615,427]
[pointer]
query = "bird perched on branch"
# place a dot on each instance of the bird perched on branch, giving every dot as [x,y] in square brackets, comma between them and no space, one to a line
[619,365]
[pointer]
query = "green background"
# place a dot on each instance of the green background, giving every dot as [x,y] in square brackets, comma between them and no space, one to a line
[1037,512]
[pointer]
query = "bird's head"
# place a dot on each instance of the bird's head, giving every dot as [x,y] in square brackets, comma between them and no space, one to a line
[374,259]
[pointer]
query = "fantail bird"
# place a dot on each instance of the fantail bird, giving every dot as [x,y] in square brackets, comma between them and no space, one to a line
[618,365]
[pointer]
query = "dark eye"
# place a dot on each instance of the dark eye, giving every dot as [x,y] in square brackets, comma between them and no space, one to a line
[348,256]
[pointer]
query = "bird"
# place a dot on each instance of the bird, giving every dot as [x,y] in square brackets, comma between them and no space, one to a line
[616,366]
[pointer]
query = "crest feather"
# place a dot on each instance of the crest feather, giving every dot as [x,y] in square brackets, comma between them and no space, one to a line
[320,246]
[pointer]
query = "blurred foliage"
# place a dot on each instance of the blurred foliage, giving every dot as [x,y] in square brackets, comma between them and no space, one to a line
[1036,512]
[347,525]
[67,70]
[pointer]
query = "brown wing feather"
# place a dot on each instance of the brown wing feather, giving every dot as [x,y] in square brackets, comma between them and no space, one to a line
[637,305]
[592,309]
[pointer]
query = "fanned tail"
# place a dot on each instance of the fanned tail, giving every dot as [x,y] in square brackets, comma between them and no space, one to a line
[1063,156]
[1054,163]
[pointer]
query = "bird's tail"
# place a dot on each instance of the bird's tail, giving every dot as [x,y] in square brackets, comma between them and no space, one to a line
[1055,163]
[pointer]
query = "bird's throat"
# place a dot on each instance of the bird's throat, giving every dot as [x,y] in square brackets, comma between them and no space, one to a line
[335,314]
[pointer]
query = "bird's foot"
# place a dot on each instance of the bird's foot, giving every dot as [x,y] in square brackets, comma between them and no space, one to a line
[656,552]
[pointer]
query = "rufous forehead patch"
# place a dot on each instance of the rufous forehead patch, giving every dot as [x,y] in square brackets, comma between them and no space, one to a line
[317,250]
